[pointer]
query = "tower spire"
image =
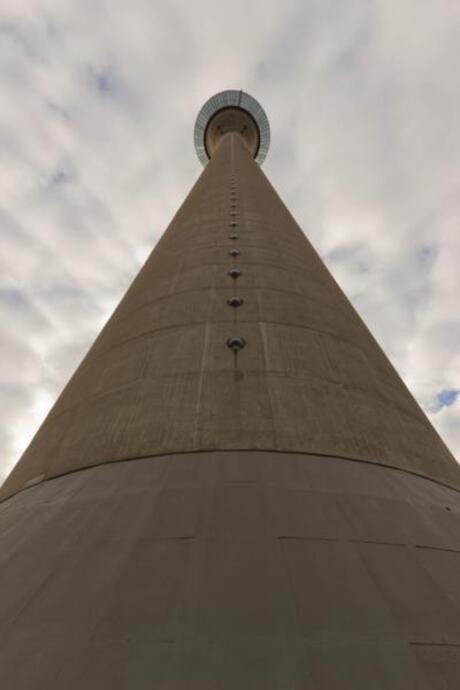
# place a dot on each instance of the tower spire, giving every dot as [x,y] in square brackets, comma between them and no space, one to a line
[232,111]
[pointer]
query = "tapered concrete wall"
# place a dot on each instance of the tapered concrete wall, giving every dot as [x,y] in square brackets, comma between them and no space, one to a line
[160,378]
[283,518]
[238,570]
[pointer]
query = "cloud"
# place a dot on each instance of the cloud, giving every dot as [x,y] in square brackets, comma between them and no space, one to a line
[98,107]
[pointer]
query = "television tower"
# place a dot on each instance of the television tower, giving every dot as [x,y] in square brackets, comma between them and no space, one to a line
[235,489]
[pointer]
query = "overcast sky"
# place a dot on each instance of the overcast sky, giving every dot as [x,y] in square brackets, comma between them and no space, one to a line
[97,107]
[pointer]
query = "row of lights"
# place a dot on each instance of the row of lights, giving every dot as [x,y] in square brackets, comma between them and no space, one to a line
[235,342]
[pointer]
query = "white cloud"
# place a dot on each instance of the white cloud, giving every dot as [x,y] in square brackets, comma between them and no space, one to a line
[96,118]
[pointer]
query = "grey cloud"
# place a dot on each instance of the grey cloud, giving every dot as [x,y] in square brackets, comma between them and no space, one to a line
[96,147]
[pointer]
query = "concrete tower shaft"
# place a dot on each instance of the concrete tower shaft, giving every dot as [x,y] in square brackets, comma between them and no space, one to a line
[160,379]
[235,489]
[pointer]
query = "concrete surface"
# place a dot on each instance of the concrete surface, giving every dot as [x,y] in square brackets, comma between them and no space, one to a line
[189,517]
[224,570]
[160,378]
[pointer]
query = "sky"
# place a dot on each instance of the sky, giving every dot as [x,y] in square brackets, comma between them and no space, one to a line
[97,106]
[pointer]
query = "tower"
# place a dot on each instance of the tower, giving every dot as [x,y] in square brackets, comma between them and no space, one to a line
[235,489]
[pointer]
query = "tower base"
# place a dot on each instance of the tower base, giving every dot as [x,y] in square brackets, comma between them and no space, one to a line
[243,569]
